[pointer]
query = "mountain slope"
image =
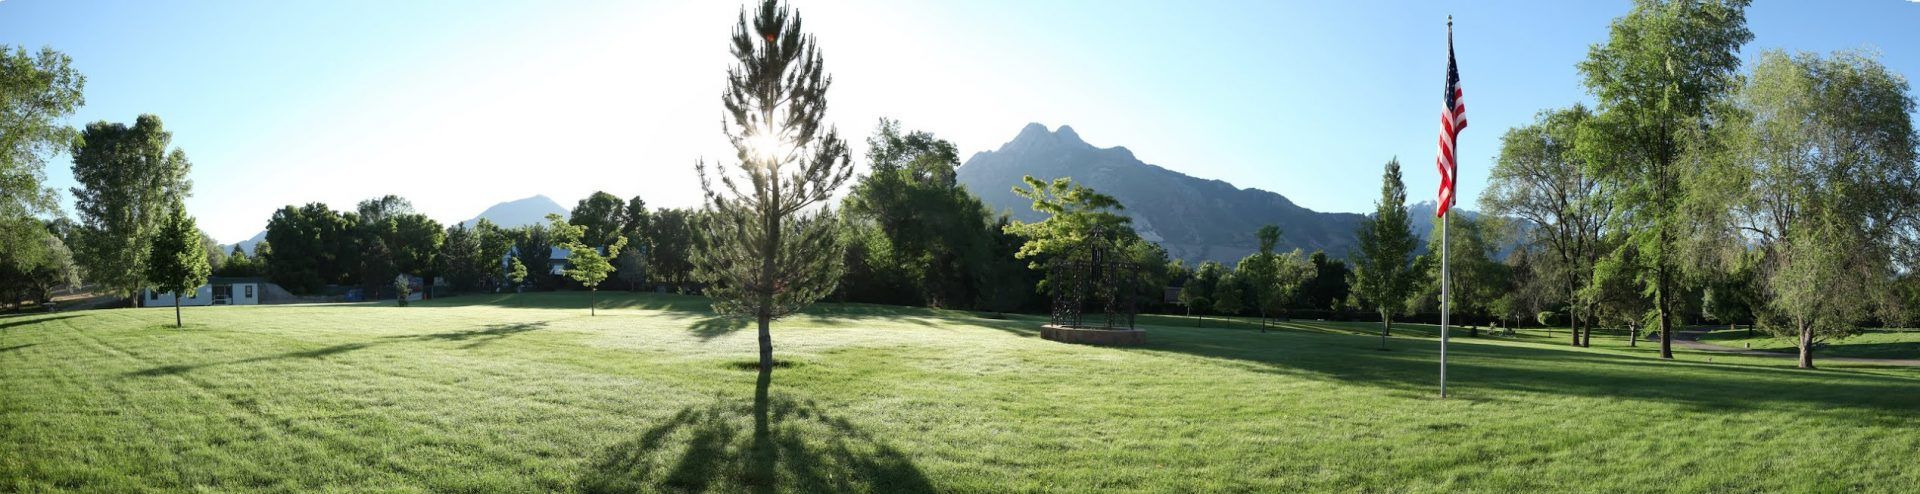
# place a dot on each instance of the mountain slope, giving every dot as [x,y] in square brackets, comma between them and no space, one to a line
[1195,219]
[523,212]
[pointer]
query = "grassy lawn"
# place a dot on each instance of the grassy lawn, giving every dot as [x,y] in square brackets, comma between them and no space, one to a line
[1874,343]
[527,393]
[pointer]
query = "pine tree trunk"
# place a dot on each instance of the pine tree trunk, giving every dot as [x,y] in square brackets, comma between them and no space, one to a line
[766,344]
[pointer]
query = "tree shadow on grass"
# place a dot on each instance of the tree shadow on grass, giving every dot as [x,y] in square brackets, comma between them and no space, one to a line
[9,322]
[1413,364]
[792,446]
[475,338]
[711,327]
[15,347]
[176,369]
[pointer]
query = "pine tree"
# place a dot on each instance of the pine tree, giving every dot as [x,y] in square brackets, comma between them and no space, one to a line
[767,251]
[176,261]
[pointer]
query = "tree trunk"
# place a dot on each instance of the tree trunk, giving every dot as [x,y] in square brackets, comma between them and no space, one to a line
[176,311]
[1633,336]
[1806,346]
[1573,325]
[1666,313]
[1385,328]
[593,302]
[1586,333]
[766,344]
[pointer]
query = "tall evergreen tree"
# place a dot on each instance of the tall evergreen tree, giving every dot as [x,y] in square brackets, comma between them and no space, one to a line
[177,263]
[1383,268]
[768,251]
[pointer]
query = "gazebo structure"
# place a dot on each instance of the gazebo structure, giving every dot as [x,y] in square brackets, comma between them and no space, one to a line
[1095,295]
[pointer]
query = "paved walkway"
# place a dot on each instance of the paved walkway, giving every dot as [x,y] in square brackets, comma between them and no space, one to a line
[1691,339]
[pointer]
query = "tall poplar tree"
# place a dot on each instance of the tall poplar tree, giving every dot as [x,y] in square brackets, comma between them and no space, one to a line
[1663,66]
[128,178]
[769,247]
[1383,268]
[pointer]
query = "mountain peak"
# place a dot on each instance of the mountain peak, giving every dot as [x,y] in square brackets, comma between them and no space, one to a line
[1066,135]
[1035,135]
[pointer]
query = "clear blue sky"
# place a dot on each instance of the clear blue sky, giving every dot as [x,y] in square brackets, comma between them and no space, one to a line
[458,105]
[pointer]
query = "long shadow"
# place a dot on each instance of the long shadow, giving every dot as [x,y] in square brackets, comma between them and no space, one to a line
[9,322]
[1411,367]
[478,337]
[793,446]
[711,327]
[176,369]
[15,347]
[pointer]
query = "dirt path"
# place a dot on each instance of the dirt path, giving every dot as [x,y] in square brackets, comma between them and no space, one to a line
[1691,339]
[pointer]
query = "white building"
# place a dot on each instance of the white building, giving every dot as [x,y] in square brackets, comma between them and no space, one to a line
[215,292]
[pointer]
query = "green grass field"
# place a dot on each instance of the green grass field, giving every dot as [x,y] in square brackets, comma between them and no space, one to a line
[528,393]
[1872,343]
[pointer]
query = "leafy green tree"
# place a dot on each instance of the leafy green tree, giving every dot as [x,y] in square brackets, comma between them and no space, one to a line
[938,237]
[1198,292]
[632,267]
[1074,214]
[1478,280]
[238,265]
[1329,287]
[516,271]
[585,263]
[416,245]
[127,180]
[1656,78]
[177,261]
[304,245]
[1383,269]
[1228,296]
[1828,168]
[766,251]
[635,221]
[470,257]
[601,217]
[1542,176]
[216,257]
[669,241]
[31,272]
[534,247]
[37,93]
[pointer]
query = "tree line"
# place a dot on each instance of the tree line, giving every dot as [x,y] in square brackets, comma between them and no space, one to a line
[1785,197]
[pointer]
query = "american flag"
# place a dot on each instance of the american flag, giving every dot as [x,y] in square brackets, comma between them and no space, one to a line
[1453,119]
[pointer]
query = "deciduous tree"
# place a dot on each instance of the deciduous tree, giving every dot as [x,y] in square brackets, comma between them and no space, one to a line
[1656,78]
[177,262]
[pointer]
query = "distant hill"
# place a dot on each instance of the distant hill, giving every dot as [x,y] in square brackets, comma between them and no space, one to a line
[248,244]
[1195,219]
[523,212]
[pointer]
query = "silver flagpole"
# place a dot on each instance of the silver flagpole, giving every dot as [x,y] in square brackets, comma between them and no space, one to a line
[1444,299]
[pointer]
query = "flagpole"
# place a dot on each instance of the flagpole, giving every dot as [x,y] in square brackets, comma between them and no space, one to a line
[1444,300]
[1445,223]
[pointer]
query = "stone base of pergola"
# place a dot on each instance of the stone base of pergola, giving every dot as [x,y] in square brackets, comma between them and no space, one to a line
[1094,336]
